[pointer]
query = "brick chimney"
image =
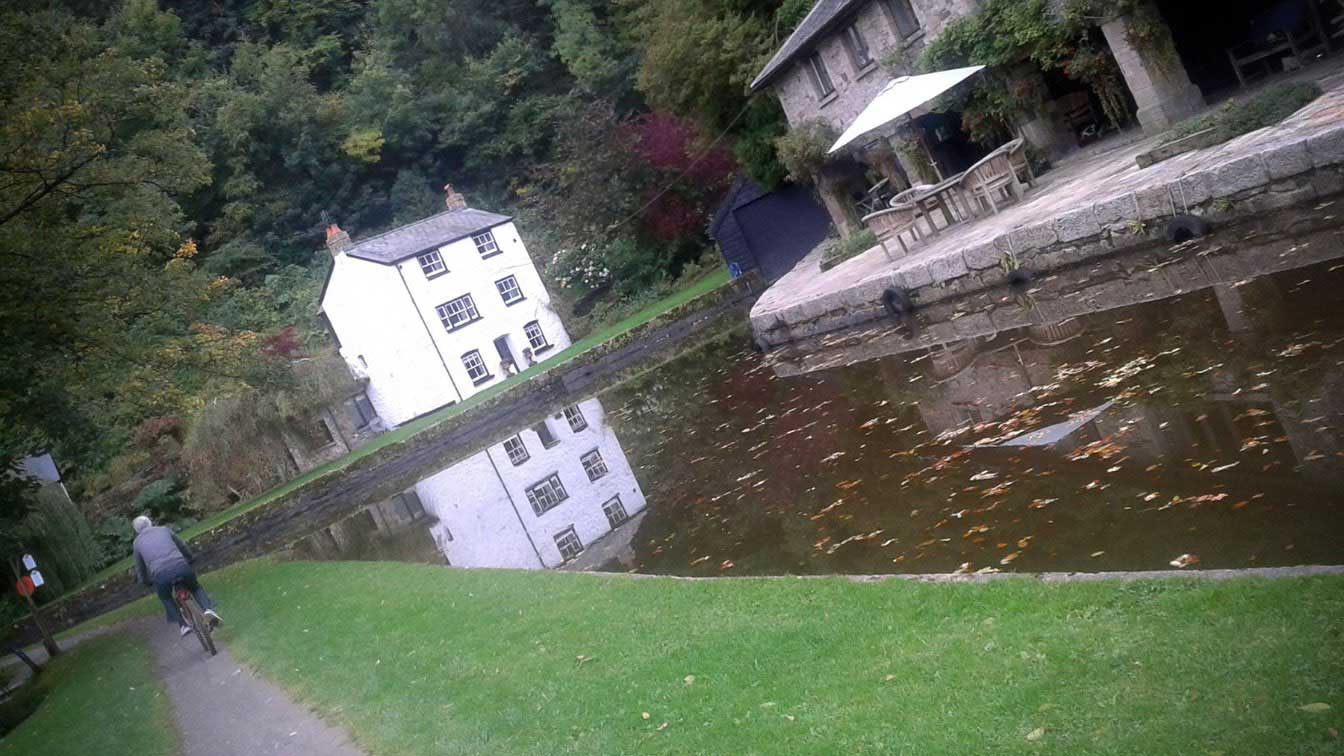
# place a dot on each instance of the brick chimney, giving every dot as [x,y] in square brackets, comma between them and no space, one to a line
[337,240]
[453,200]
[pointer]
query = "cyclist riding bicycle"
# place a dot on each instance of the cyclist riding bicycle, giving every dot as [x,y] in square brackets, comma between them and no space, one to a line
[161,560]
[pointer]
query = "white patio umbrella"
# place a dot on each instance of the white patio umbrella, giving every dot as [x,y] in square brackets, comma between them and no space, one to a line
[902,97]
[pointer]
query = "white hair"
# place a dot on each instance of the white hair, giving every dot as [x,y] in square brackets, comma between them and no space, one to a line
[140,523]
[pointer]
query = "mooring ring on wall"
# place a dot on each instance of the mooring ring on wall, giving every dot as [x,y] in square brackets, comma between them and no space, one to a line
[898,302]
[1183,228]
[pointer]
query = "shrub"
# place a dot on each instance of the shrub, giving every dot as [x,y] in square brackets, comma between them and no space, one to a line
[839,250]
[803,149]
[1237,117]
[148,433]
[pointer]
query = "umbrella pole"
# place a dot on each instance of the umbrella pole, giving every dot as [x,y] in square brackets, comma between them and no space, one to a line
[919,136]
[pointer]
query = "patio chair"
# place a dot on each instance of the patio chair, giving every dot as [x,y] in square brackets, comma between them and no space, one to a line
[893,221]
[1017,156]
[994,174]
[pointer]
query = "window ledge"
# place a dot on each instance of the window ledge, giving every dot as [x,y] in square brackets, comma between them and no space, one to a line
[516,301]
[913,38]
[496,253]
[483,379]
[540,349]
[456,328]
[863,72]
[828,99]
[432,276]
[554,443]
[520,462]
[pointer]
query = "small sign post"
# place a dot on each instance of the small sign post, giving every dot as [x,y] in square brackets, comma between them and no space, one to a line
[25,585]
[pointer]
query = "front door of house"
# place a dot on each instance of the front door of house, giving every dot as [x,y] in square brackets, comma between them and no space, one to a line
[508,365]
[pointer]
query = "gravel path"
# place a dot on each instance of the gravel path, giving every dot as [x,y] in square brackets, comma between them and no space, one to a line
[224,709]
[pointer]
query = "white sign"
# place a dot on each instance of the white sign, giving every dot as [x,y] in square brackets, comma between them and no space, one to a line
[37,578]
[28,562]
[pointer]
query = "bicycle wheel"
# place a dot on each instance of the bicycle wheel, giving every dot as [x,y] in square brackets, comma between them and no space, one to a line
[199,625]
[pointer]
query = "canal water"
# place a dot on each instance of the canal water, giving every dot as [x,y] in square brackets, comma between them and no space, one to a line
[1197,426]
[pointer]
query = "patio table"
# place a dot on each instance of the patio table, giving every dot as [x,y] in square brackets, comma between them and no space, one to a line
[943,196]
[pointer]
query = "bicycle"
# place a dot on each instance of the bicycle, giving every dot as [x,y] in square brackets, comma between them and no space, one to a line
[193,617]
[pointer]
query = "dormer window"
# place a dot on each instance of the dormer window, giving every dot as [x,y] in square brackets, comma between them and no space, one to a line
[485,244]
[821,79]
[432,264]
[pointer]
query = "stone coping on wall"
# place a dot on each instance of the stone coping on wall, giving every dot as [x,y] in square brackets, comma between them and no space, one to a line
[1102,206]
[1268,244]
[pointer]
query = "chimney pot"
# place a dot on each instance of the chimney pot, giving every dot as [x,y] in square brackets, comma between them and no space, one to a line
[452,199]
[337,240]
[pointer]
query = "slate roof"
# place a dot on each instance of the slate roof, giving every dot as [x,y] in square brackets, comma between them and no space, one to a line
[820,20]
[411,239]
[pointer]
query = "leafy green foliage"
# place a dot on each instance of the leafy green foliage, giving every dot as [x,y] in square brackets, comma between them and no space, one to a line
[803,149]
[1017,40]
[170,166]
[1240,116]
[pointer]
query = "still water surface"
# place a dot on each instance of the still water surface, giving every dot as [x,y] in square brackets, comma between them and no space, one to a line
[1201,430]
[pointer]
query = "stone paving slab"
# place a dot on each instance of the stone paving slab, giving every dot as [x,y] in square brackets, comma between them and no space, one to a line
[1092,205]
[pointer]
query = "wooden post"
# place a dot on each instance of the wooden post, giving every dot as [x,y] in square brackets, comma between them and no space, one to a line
[47,640]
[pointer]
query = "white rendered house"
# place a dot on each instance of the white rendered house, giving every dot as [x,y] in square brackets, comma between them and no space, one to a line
[436,310]
[538,499]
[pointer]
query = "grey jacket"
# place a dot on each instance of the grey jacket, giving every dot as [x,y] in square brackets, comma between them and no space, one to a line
[160,555]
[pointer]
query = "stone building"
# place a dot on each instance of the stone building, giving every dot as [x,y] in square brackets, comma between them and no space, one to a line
[845,51]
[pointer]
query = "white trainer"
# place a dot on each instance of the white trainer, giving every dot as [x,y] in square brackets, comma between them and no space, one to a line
[215,619]
[184,630]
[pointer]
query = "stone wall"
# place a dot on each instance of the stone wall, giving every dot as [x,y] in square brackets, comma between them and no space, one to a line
[854,87]
[1261,178]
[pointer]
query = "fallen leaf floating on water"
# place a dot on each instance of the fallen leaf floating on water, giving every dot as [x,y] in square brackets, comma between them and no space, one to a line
[1221,468]
[985,475]
[1010,557]
[1184,560]
[1320,707]
[1096,554]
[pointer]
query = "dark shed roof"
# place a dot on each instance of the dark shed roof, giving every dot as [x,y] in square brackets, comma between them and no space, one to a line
[413,238]
[820,20]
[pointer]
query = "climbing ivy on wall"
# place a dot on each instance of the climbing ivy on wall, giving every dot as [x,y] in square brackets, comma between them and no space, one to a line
[1019,39]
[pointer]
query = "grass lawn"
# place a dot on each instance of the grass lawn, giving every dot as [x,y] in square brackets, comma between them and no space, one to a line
[101,698]
[418,660]
[705,285]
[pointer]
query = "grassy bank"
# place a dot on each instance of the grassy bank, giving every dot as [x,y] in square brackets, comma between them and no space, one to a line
[101,698]
[426,660]
[704,286]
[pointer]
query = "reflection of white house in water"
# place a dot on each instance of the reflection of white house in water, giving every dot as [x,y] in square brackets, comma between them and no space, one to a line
[538,499]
